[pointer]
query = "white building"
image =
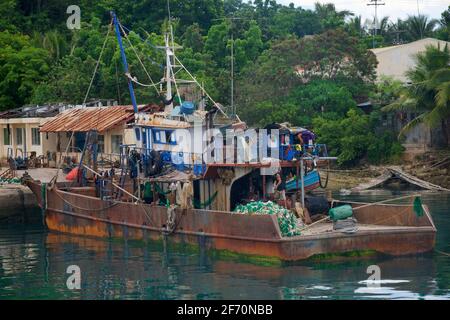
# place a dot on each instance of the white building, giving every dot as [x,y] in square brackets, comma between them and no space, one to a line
[394,62]
[19,131]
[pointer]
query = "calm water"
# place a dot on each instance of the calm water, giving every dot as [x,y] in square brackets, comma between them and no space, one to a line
[33,265]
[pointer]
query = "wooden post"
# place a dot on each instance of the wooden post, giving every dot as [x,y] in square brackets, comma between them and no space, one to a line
[264,187]
[302,171]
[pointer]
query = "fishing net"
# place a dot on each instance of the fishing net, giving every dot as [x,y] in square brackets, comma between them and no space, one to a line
[289,225]
[9,181]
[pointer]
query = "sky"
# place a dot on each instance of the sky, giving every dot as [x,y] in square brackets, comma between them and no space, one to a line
[392,8]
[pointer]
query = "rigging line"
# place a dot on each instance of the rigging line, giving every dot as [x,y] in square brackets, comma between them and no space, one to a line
[55,177]
[148,43]
[139,59]
[129,76]
[201,87]
[98,63]
[84,209]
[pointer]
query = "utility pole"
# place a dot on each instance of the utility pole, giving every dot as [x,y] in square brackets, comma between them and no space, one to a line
[418,15]
[375,3]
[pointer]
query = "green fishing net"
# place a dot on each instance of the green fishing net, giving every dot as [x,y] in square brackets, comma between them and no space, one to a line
[289,225]
[9,181]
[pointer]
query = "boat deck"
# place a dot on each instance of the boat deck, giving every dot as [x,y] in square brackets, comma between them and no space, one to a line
[327,228]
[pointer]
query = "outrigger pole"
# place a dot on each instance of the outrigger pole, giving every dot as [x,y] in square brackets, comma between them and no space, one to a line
[124,61]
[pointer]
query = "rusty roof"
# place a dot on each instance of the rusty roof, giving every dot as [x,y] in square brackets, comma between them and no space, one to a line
[92,118]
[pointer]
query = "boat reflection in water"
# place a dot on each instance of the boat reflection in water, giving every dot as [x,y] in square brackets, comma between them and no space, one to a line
[112,270]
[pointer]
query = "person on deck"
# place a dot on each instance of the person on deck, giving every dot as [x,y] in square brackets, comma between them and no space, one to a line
[306,136]
[280,186]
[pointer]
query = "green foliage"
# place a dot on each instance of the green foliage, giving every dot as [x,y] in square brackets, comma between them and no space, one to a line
[21,66]
[297,76]
[248,49]
[329,17]
[387,91]
[352,139]
[429,93]
[192,38]
[290,64]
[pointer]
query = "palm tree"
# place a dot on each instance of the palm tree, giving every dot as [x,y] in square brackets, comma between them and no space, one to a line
[420,26]
[328,9]
[383,25]
[396,31]
[52,41]
[329,17]
[429,92]
[356,26]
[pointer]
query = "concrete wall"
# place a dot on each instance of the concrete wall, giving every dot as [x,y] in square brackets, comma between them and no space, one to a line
[396,60]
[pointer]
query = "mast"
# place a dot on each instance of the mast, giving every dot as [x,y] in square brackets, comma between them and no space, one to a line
[169,54]
[124,61]
[232,73]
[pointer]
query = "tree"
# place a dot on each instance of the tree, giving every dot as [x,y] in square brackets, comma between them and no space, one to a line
[10,21]
[444,30]
[21,66]
[355,27]
[420,26]
[53,42]
[293,62]
[290,20]
[217,41]
[429,92]
[192,38]
[329,17]
[317,98]
[352,139]
[248,49]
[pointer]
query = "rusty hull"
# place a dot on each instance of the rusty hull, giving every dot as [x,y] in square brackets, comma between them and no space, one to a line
[79,214]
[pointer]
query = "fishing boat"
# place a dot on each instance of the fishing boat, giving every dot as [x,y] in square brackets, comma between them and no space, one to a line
[193,165]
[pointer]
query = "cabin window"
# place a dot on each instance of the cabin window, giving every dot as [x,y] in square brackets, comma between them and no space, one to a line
[35,137]
[6,137]
[19,136]
[144,137]
[164,136]
[101,143]
[116,142]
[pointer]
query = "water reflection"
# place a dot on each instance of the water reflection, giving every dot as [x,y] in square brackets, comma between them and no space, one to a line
[33,265]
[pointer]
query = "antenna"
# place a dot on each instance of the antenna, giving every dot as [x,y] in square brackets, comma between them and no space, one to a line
[418,15]
[375,3]
[231,19]
[168,10]
[232,74]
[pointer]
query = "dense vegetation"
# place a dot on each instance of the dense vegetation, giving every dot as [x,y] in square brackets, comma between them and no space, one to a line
[308,67]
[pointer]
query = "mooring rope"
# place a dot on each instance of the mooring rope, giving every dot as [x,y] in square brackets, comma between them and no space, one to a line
[442,252]
[385,201]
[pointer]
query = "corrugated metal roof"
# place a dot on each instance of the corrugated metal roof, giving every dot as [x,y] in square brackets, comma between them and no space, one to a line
[93,118]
